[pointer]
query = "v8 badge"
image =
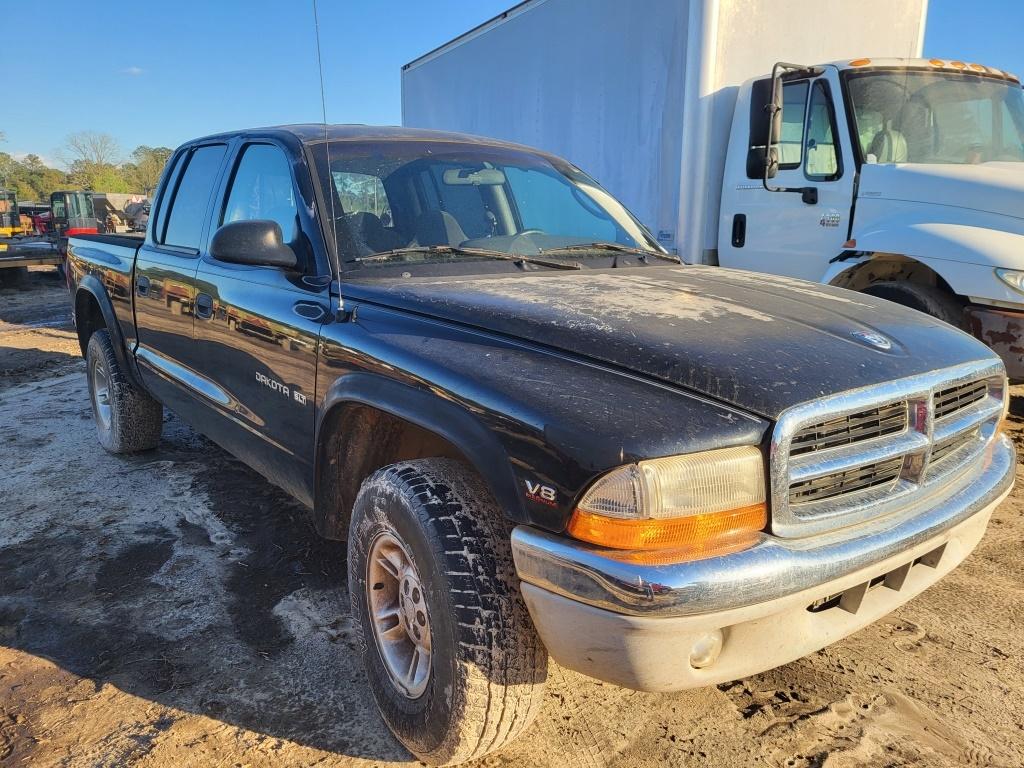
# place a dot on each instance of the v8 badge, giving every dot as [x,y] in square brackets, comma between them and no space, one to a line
[544,494]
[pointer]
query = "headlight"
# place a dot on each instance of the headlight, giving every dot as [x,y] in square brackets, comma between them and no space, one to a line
[699,504]
[1012,278]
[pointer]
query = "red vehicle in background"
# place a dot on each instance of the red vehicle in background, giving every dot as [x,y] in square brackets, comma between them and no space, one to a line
[71,213]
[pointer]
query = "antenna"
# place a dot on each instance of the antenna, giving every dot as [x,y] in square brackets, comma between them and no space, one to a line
[327,144]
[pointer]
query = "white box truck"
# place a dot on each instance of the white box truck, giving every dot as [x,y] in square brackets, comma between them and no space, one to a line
[890,174]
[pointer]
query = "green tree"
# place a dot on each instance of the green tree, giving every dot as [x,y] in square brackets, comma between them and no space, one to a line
[146,166]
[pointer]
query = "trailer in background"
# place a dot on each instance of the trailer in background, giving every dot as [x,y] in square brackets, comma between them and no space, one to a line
[640,96]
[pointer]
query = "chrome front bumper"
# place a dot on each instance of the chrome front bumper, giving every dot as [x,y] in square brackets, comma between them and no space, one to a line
[773,568]
[691,624]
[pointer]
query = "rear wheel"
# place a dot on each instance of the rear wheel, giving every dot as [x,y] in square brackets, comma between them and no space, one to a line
[127,420]
[450,651]
[929,299]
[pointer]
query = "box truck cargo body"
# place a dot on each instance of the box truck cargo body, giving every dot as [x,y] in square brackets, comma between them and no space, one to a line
[856,165]
[640,95]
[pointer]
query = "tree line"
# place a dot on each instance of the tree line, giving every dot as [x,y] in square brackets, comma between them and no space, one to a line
[93,160]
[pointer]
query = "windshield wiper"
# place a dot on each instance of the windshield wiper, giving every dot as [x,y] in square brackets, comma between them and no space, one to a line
[612,247]
[458,251]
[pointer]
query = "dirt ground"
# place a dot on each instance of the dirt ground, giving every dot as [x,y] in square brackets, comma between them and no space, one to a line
[174,609]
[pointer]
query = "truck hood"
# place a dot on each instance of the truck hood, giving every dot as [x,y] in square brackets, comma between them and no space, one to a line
[996,187]
[757,342]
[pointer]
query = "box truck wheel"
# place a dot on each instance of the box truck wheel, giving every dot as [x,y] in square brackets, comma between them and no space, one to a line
[929,299]
[450,651]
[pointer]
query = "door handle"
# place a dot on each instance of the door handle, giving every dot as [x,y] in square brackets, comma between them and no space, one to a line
[204,306]
[739,230]
[142,285]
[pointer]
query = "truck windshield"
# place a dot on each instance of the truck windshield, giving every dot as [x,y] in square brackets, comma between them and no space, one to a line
[915,116]
[426,201]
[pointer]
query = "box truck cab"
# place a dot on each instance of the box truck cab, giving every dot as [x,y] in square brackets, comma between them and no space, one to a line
[900,178]
[903,176]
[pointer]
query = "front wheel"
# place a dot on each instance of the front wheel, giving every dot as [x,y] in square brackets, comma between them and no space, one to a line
[924,298]
[450,651]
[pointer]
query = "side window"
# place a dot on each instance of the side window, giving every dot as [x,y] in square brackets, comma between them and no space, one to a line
[58,211]
[822,154]
[165,197]
[262,189]
[192,197]
[791,140]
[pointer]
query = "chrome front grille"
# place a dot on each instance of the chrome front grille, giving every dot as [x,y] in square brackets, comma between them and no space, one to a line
[881,473]
[952,399]
[853,428]
[866,453]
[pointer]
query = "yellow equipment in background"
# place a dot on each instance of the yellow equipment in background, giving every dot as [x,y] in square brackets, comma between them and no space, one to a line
[10,220]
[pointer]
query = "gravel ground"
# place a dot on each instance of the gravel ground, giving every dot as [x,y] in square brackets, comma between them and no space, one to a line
[174,609]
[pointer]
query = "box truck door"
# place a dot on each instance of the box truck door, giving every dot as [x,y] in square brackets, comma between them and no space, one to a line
[779,232]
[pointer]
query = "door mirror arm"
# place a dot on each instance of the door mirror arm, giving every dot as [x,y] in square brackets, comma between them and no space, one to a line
[256,242]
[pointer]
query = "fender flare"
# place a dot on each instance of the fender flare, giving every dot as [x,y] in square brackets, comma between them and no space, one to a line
[434,413]
[91,284]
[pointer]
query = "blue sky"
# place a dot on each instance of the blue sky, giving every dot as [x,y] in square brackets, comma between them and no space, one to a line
[160,73]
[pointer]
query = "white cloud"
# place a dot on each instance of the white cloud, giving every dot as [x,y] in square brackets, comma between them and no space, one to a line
[133,71]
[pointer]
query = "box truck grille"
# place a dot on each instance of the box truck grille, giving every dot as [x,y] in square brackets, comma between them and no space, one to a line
[866,453]
[857,427]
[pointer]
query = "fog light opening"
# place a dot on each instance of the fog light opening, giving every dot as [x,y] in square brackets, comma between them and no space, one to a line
[706,649]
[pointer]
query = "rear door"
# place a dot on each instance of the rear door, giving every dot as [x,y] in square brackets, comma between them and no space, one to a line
[258,327]
[164,281]
[777,232]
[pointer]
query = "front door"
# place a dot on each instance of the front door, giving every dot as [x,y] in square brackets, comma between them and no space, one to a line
[777,232]
[258,329]
[165,270]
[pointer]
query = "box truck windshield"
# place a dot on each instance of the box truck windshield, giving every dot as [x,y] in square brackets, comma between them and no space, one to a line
[908,116]
[403,199]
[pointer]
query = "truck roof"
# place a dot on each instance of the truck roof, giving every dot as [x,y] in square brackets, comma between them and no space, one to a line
[318,133]
[946,65]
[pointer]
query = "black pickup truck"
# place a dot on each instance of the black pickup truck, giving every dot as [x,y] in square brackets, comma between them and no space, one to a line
[539,433]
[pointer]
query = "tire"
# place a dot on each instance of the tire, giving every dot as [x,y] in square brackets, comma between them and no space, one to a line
[924,298]
[486,666]
[127,420]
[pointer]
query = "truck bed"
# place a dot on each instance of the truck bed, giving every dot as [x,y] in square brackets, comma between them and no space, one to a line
[27,254]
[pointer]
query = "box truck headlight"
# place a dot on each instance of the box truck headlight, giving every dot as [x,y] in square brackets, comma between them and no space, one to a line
[696,505]
[1012,278]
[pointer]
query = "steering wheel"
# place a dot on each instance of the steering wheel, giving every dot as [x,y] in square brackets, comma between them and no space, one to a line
[524,233]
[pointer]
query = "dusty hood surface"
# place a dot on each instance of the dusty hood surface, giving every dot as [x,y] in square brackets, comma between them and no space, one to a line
[995,187]
[758,342]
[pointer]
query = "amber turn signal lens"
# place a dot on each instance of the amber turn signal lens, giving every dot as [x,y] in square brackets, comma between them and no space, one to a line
[693,535]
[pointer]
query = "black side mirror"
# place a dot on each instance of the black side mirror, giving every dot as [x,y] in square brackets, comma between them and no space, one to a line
[257,242]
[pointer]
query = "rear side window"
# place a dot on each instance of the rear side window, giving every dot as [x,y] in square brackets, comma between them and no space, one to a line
[191,201]
[262,189]
[165,198]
